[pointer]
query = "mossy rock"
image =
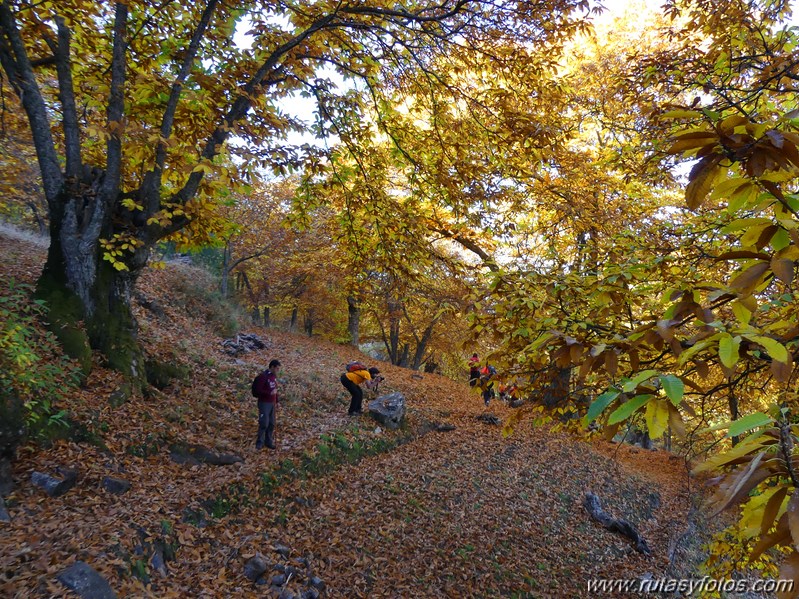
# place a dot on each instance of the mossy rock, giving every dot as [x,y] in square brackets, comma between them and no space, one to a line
[122,394]
[160,374]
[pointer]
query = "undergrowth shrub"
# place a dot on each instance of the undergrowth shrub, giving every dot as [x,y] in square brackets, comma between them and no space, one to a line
[201,298]
[34,374]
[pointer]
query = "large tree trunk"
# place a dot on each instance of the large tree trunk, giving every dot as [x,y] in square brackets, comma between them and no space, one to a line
[394,315]
[403,358]
[354,321]
[309,320]
[80,286]
[421,345]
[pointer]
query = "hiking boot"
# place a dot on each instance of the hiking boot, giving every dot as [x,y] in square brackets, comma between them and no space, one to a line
[271,446]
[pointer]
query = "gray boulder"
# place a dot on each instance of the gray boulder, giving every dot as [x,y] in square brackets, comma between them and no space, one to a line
[55,487]
[255,567]
[4,515]
[388,410]
[489,419]
[117,486]
[86,582]
[193,454]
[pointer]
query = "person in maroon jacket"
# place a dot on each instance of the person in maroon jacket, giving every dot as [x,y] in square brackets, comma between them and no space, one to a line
[265,388]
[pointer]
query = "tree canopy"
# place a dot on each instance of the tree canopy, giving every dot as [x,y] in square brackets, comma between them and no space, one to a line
[609,215]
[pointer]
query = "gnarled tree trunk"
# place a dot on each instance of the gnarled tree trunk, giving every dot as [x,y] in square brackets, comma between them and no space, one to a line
[79,286]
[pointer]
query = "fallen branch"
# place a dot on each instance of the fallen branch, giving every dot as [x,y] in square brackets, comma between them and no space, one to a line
[591,504]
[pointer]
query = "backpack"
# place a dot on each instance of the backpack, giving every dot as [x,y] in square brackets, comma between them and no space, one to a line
[355,365]
[257,384]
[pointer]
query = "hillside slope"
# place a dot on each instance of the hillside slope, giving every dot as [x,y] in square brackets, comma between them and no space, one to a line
[360,511]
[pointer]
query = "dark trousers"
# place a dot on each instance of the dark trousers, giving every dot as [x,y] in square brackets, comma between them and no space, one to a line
[355,391]
[474,376]
[266,425]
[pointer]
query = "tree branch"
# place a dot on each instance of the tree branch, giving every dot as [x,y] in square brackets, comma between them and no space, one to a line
[66,95]
[18,67]
[116,105]
[168,120]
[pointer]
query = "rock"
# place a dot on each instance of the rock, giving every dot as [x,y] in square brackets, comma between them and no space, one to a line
[443,428]
[278,580]
[243,343]
[120,395]
[194,454]
[317,583]
[161,373]
[516,403]
[282,550]
[310,594]
[417,377]
[4,515]
[255,567]
[86,582]
[157,562]
[489,419]
[55,487]
[388,410]
[285,594]
[117,486]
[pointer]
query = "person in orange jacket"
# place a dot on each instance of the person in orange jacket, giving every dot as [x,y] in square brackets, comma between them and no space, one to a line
[353,380]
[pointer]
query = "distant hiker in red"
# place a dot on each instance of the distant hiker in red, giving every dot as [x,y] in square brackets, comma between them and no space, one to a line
[487,374]
[264,387]
[474,370]
[357,374]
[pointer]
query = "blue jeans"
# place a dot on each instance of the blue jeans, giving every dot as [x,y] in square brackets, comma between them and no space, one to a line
[266,425]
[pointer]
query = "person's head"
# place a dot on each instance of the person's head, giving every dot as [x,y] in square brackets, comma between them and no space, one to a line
[373,371]
[474,355]
[274,365]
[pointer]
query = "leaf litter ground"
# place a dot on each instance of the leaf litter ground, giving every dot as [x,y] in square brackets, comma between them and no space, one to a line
[464,513]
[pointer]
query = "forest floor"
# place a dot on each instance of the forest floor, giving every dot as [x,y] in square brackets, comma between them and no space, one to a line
[341,503]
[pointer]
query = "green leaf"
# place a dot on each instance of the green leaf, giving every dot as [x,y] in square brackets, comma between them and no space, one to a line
[749,422]
[639,378]
[625,410]
[728,349]
[673,386]
[599,404]
[695,349]
[742,313]
[780,240]
[774,348]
